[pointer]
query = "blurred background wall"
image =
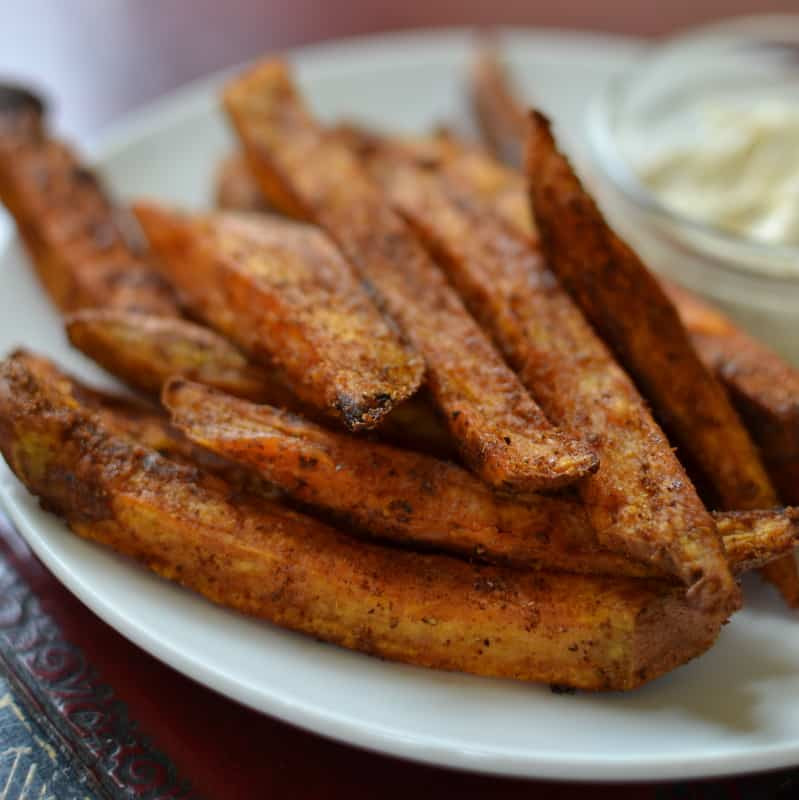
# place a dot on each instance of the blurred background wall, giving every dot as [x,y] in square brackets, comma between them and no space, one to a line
[99,58]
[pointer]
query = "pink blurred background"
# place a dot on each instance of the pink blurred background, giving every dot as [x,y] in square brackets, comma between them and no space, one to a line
[99,58]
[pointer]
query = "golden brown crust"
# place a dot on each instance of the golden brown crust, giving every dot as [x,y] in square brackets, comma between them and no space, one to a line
[503,435]
[68,224]
[640,501]
[502,120]
[421,501]
[283,293]
[259,558]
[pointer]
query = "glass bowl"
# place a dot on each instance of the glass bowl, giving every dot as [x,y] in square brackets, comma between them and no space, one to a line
[658,100]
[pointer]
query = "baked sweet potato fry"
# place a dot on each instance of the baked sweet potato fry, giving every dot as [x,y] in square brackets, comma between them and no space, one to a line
[501,119]
[305,172]
[145,350]
[146,424]
[262,559]
[763,387]
[66,221]
[640,501]
[626,304]
[603,275]
[421,501]
[284,294]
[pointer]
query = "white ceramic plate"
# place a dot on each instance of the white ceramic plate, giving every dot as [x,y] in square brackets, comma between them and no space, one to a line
[735,709]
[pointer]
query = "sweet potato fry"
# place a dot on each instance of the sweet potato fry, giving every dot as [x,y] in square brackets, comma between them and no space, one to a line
[282,292]
[67,222]
[144,350]
[763,387]
[414,499]
[640,501]
[602,274]
[502,434]
[146,424]
[626,304]
[502,120]
[257,557]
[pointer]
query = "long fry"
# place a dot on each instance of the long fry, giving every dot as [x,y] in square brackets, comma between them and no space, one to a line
[640,501]
[415,499]
[283,293]
[502,120]
[149,427]
[604,275]
[145,350]
[259,558]
[503,435]
[763,388]
[66,220]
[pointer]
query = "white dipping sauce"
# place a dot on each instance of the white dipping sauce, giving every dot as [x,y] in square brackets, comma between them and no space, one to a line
[737,170]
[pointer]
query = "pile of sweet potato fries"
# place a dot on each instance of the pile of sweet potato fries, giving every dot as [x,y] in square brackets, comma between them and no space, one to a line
[444,415]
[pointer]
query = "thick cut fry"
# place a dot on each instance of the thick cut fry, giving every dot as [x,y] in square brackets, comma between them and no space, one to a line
[259,558]
[415,499]
[283,293]
[502,120]
[626,304]
[765,391]
[145,350]
[68,223]
[146,424]
[763,387]
[502,433]
[640,501]
[504,117]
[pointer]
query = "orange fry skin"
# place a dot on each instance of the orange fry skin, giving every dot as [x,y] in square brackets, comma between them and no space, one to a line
[145,350]
[68,223]
[305,172]
[640,501]
[421,501]
[763,387]
[282,292]
[147,425]
[627,305]
[256,556]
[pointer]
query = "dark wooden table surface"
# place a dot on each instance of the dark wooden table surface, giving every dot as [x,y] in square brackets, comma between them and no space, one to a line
[97,59]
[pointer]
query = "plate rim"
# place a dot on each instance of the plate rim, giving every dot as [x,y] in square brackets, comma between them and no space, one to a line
[194,98]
